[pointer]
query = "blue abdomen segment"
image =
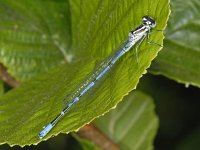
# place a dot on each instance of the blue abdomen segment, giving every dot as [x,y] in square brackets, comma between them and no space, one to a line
[45,131]
[87,88]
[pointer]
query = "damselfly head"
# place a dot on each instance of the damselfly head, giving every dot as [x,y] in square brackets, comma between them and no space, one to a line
[149,21]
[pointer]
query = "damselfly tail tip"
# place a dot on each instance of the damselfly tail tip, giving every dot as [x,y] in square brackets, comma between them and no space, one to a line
[45,131]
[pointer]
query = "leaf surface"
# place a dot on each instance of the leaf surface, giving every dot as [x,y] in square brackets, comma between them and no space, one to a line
[26,109]
[179,60]
[133,124]
[34,36]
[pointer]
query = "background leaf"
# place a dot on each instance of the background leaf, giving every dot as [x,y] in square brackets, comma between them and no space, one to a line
[35,36]
[177,108]
[40,100]
[86,144]
[133,124]
[179,59]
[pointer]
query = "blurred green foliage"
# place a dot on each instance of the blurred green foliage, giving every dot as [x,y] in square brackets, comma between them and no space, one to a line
[179,59]
[32,43]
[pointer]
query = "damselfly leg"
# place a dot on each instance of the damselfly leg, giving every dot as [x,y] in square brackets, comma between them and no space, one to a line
[148,37]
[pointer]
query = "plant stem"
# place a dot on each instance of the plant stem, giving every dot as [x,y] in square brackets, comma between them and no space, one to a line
[93,134]
[6,77]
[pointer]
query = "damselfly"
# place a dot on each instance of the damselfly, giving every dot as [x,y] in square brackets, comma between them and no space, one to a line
[135,36]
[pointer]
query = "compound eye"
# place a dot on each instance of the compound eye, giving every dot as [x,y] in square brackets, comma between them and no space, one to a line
[153,24]
[149,21]
[144,19]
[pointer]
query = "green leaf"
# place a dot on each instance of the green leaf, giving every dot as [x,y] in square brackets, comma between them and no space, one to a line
[86,144]
[35,36]
[179,59]
[177,107]
[133,124]
[40,100]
